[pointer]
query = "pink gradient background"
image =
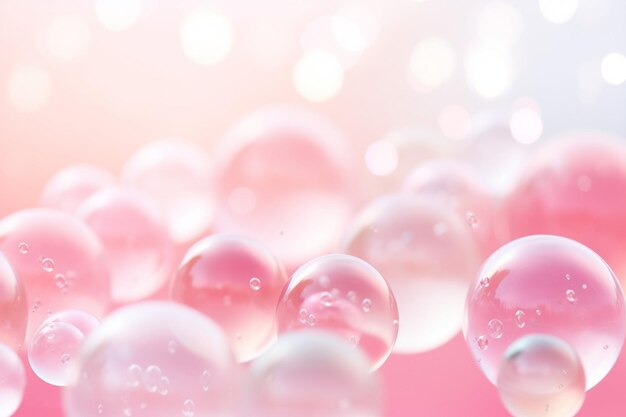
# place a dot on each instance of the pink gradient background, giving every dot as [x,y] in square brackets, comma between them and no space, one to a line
[131,87]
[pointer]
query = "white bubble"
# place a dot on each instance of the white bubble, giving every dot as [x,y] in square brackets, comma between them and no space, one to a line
[207,37]
[558,11]
[526,125]
[614,68]
[318,76]
[432,62]
[489,69]
[118,15]
[381,158]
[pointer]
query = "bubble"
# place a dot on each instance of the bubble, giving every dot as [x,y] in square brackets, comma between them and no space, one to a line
[221,266]
[272,153]
[571,296]
[134,375]
[310,373]
[428,274]
[496,328]
[484,282]
[12,381]
[178,176]
[206,380]
[71,186]
[164,385]
[76,253]
[23,248]
[373,327]
[56,343]
[100,409]
[139,250]
[13,307]
[527,275]
[152,378]
[541,374]
[188,408]
[47,264]
[127,337]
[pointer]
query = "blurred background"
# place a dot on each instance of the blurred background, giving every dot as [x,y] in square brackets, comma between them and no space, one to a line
[91,81]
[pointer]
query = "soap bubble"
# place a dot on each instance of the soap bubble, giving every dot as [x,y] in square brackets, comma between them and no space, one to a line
[125,366]
[346,296]
[64,268]
[68,188]
[138,247]
[428,257]
[13,307]
[178,175]
[55,344]
[12,381]
[237,282]
[285,179]
[311,373]
[541,375]
[530,284]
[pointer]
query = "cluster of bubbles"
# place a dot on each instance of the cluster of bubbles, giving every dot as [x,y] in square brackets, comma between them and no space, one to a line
[272,282]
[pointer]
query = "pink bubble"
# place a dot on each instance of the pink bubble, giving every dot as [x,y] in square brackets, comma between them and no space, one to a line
[576,187]
[12,381]
[428,257]
[68,188]
[311,373]
[55,345]
[237,282]
[152,359]
[346,296]
[552,285]
[284,178]
[459,188]
[64,266]
[178,175]
[13,307]
[541,375]
[136,241]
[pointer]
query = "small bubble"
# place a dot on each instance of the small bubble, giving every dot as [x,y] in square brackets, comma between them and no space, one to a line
[352,296]
[60,281]
[571,296]
[23,248]
[100,408]
[440,229]
[188,408]
[324,281]
[255,283]
[538,312]
[47,264]
[134,375]
[311,320]
[151,378]
[327,299]
[164,385]
[36,306]
[568,277]
[472,220]
[520,319]
[605,347]
[482,342]
[584,286]
[366,305]
[485,282]
[206,380]
[128,412]
[172,346]
[303,315]
[395,323]
[495,328]
[65,358]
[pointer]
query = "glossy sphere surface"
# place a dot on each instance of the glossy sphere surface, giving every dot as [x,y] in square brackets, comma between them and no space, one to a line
[428,257]
[178,175]
[237,282]
[152,359]
[311,374]
[576,187]
[541,375]
[138,247]
[56,343]
[552,285]
[67,189]
[13,307]
[284,178]
[12,381]
[59,260]
[346,296]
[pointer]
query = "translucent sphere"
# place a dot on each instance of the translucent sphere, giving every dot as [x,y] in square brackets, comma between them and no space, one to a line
[459,188]
[311,373]
[178,175]
[12,381]
[576,187]
[428,257]
[55,345]
[237,282]
[284,178]
[152,359]
[346,296]
[13,307]
[552,285]
[59,260]
[541,375]
[67,189]
[136,241]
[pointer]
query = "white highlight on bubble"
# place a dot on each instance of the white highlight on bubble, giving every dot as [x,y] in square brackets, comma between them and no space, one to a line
[118,15]
[357,26]
[455,122]
[28,88]
[318,76]
[526,125]
[68,37]
[558,11]
[614,68]
[432,62]
[499,22]
[206,37]
[381,158]
[489,70]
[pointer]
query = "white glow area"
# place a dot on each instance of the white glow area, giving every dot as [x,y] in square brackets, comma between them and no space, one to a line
[381,158]
[28,88]
[118,15]
[318,76]
[432,63]
[68,37]
[558,11]
[614,68]
[206,37]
